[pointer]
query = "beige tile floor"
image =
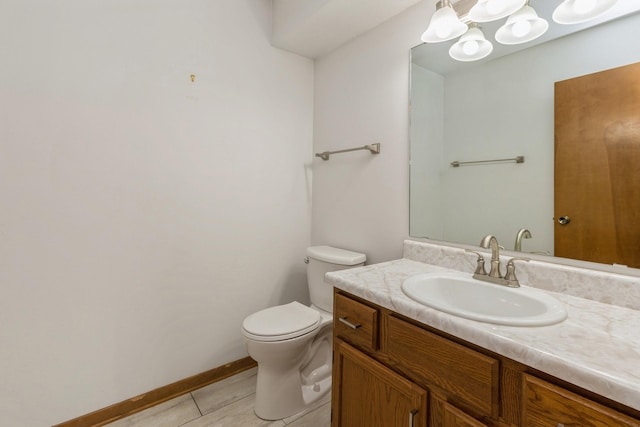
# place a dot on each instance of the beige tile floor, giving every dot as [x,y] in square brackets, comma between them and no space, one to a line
[227,403]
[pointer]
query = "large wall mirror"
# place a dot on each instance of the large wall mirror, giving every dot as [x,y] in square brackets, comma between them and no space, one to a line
[501,107]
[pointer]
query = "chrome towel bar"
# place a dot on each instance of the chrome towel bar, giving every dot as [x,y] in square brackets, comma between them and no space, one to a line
[374,148]
[518,159]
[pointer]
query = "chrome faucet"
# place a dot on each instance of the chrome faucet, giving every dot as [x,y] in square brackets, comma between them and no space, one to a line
[491,241]
[494,275]
[523,233]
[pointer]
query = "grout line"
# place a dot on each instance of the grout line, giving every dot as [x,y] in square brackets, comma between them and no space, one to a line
[196,402]
[197,407]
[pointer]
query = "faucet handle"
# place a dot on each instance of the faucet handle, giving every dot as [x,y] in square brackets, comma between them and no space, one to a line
[510,275]
[479,263]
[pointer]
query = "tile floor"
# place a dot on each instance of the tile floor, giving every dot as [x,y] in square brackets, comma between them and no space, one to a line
[227,403]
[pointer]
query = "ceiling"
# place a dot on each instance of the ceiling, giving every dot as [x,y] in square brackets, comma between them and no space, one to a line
[313,28]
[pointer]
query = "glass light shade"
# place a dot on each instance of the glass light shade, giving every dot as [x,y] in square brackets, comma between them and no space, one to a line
[491,10]
[577,11]
[472,46]
[521,27]
[444,25]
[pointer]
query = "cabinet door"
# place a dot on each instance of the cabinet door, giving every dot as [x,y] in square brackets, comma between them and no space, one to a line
[368,394]
[445,415]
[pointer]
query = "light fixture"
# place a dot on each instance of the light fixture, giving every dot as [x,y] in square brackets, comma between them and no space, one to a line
[523,26]
[577,11]
[444,25]
[491,10]
[472,46]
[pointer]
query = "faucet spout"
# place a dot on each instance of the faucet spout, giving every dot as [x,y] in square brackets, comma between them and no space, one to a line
[523,233]
[490,241]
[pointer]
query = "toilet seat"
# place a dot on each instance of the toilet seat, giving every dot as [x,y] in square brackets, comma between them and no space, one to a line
[282,322]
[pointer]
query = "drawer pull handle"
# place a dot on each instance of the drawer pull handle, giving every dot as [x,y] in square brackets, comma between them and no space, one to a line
[412,415]
[349,324]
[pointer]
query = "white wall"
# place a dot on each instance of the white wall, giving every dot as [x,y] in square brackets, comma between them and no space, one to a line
[361,201]
[142,216]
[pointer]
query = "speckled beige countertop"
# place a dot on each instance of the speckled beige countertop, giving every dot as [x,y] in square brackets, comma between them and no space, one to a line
[597,347]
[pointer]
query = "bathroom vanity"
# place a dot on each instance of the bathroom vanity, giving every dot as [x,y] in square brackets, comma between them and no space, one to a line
[399,363]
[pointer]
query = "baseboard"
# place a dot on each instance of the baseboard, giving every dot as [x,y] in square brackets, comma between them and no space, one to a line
[159,395]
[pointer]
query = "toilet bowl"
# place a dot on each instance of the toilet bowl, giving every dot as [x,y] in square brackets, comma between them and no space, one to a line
[292,342]
[296,366]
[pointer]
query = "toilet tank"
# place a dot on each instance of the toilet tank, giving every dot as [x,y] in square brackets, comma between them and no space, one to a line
[323,259]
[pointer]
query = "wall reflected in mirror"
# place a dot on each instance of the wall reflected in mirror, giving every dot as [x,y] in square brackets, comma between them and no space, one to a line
[502,107]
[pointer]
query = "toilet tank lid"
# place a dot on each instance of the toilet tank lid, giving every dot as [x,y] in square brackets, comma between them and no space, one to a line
[335,255]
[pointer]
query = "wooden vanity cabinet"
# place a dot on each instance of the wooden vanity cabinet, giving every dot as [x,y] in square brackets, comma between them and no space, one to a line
[380,377]
[391,371]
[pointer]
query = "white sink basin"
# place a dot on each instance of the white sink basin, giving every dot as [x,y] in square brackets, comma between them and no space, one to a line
[461,295]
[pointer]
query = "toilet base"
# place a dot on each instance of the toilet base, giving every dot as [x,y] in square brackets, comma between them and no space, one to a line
[278,397]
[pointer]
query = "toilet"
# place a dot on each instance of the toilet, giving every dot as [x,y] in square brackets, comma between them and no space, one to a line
[292,342]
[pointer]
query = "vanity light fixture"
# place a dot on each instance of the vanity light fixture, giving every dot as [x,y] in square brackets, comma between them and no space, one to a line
[523,23]
[471,46]
[491,10]
[577,11]
[444,25]
[522,26]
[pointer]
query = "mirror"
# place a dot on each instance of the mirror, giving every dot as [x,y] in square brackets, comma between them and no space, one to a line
[499,108]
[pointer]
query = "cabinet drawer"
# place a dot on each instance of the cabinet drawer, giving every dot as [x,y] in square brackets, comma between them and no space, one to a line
[545,404]
[470,379]
[355,322]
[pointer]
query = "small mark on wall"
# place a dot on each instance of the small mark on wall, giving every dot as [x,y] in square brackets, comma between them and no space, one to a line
[192,92]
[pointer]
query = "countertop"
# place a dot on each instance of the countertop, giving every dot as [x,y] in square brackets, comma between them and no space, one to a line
[597,347]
